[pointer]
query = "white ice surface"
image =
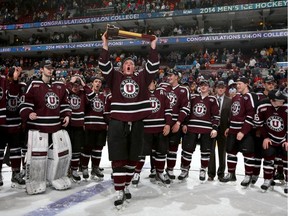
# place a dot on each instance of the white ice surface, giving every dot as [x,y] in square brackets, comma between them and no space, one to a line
[148,199]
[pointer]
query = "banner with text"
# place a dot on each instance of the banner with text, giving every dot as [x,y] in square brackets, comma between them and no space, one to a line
[244,36]
[197,11]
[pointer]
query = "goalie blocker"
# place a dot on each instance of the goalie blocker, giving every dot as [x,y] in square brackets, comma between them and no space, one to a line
[47,164]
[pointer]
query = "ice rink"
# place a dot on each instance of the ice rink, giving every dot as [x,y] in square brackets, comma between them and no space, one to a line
[148,199]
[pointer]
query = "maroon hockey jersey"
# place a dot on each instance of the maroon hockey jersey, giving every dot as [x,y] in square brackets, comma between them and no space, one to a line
[242,113]
[14,98]
[77,103]
[272,122]
[204,115]
[180,101]
[261,96]
[161,113]
[130,101]
[94,119]
[49,101]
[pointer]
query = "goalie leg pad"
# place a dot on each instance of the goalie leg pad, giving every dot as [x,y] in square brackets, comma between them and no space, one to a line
[35,187]
[59,160]
[36,162]
[62,183]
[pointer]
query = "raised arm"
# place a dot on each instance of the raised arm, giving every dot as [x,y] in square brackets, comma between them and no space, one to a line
[105,40]
[154,42]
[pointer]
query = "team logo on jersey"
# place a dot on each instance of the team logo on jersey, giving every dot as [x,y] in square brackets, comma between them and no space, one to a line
[199,109]
[12,104]
[129,88]
[52,100]
[75,102]
[275,123]
[1,93]
[155,104]
[173,98]
[235,108]
[97,105]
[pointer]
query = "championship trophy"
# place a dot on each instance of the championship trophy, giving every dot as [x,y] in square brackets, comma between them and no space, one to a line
[113,31]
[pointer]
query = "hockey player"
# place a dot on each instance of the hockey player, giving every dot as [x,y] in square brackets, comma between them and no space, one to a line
[11,130]
[271,116]
[239,137]
[46,110]
[202,124]
[156,130]
[269,85]
[95,131]
[129,106]
[79,92]
[179,99]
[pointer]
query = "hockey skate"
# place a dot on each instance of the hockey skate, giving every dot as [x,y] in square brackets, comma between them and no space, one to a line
[152,173]
[279,178]
[135,179]
[170,174]
[85,174]
[254,179]
[162,179]
[267,184]
[96,174]
[17,181]
[128,195]
[246,181]
[75,177]
[202,175]
[230,177]
[120,199]
[183,175]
